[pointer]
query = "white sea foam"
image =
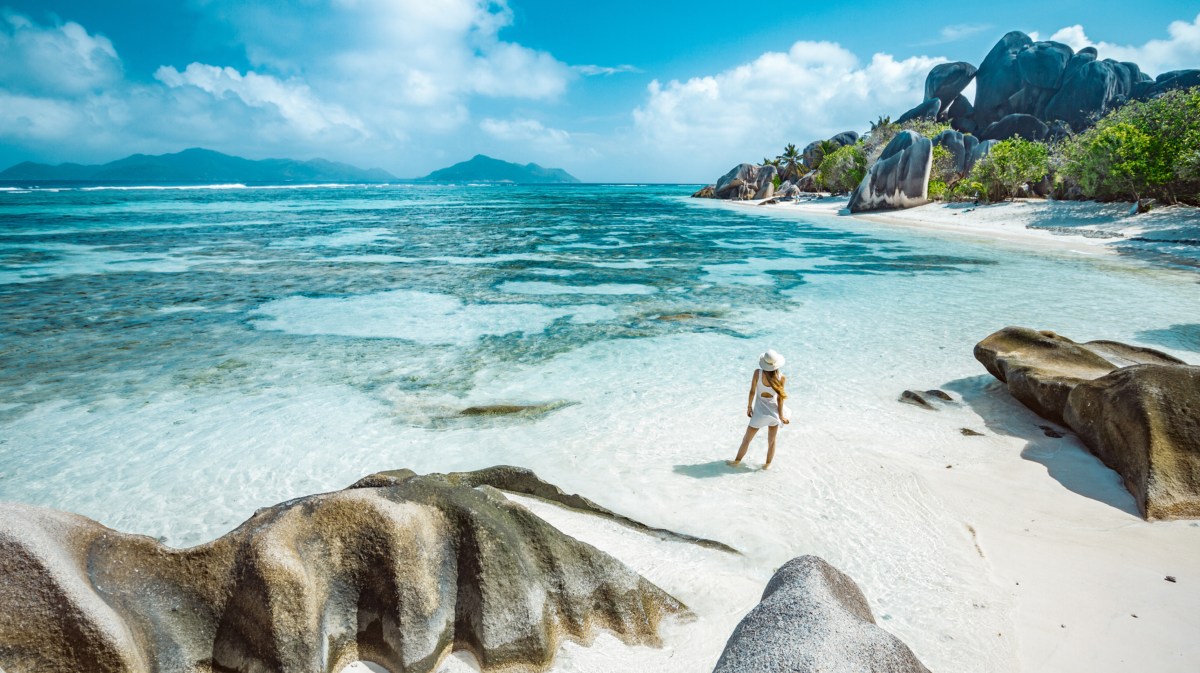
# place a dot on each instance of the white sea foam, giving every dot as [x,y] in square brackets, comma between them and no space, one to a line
[422,317]
[88,260]
[341,239]
[544,288]
[165,188]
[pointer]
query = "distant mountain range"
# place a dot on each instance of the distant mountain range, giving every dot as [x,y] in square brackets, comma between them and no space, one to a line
[197,166]
[201,166]
[482,168]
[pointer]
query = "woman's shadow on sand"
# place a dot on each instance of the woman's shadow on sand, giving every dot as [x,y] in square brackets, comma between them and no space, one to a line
[1066,459]
[713,468]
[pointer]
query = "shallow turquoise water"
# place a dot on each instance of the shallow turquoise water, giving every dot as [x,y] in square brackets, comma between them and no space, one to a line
[172,360]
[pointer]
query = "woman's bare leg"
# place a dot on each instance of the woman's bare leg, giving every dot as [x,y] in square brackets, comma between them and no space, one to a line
[750,432]
[771,433]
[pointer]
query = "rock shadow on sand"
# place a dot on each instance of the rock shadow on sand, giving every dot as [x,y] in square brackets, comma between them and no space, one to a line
[1066,459]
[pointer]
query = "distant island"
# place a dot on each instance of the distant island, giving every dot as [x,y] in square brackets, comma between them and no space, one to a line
[201,166]
[196,166]
[482,168]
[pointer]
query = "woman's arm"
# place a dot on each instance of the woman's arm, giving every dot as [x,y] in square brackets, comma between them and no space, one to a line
[782,383]
[750,402]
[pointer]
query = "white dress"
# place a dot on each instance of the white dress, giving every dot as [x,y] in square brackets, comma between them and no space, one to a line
[766,409]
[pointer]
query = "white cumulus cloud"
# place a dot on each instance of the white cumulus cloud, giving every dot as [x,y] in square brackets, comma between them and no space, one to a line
[1180,49]
[55,61]
[812,91]
[525,130]
[293,100]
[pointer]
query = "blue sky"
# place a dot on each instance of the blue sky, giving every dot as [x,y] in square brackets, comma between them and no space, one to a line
[612,91]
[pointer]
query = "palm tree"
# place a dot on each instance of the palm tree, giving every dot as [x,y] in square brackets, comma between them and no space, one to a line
[824,149]
[791,161]
[880,123]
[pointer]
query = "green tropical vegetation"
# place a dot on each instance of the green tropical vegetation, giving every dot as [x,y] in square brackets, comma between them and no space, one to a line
[1142,150]
[1146,149]
[842,170]
[1009,166]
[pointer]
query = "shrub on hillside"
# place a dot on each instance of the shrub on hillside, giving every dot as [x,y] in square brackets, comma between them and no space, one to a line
[843,169]
[881,134]
[943,174]
[1143,149]
[1009,165]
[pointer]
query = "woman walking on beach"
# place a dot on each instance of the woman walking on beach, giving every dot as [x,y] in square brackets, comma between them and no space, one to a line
[765,407]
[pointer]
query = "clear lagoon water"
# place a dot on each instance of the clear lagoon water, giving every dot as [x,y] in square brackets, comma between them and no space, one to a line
[173,359]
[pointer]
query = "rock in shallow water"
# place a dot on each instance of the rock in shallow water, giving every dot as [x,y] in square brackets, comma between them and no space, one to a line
[813,618]
[399,569]
[1137,409]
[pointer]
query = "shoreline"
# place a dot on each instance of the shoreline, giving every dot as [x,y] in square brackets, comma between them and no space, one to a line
[1079,227]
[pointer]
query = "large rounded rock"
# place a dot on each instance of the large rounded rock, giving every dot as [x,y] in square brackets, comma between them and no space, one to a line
[739,180]
[1143,421]
[899,179]
[398,569]
[960,109]
[1042,64]
[998,78]
[1016,126]
[1041,368]
[814,618]
[927,110]
[1090,89]
[813,154]
[1175,79]
[946,81]
[765,187]
[1136,408]
[845,138]
[958,145]
[979,150]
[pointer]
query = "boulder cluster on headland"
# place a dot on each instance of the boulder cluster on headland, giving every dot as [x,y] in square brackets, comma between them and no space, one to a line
[1038,92]
[1136,409]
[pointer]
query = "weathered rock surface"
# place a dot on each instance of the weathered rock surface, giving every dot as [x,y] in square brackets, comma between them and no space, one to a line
[813,618]
[845,138]
[922,399]
[926,110]
[706,192]
[766,182]
[741,182]
[1014,126]
[960,146]
[900,179]
[998,78]
[1143,421]
[946,82]
[1175,79]
[1137,409]
[979,151]
[1041,368]
[398,569]
[812,152]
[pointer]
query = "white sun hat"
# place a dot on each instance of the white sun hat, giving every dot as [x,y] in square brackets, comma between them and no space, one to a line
[770,361]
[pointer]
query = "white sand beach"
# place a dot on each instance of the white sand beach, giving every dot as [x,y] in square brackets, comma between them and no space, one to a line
[1084,227]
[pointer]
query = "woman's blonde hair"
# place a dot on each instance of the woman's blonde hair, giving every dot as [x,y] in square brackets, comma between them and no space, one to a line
[775,381]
